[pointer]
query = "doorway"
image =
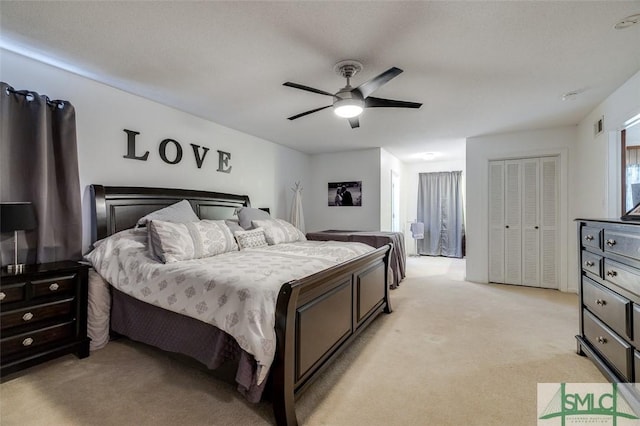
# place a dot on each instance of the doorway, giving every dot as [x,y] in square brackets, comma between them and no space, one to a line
[395,202]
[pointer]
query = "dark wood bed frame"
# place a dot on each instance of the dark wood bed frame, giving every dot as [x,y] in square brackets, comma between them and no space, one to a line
[317,317]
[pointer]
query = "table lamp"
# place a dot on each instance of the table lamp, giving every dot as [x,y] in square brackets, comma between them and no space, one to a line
[16,217]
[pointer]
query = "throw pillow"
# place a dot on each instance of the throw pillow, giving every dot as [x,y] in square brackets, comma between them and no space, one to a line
[253,238]
[173,242]
[246,215]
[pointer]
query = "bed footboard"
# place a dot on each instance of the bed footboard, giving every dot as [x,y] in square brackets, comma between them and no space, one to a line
[318,316]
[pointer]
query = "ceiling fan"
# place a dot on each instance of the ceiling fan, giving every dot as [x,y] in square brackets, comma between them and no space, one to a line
[349,102]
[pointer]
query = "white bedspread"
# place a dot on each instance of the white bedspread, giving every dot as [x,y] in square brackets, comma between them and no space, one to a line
[236,291]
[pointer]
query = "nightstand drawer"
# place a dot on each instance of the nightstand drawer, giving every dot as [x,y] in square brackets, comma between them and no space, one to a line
[591,237]
[606,305]
[13,293]
[32,340]
[618,352]
[592,263]
[37,313]
[55,285]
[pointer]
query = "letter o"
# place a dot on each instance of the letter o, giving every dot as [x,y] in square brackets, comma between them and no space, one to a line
[163,151]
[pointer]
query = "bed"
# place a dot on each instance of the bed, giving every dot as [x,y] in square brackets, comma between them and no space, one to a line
[398,257]
[316,317]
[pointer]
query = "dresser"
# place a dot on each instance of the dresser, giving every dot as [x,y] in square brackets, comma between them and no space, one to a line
[609,254]
[43,314]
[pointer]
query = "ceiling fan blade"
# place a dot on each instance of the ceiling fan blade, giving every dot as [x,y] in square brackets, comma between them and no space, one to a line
[307,88]
[354,122]
[368,87]
[372,102]
[293,117]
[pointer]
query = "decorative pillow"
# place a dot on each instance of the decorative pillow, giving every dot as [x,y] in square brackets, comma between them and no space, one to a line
[246,215]
[253,238]
[233,225]
[180,212]
[278,231]
[173,242]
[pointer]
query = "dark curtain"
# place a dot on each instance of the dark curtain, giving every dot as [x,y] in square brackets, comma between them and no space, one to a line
[440,209]
[39,163]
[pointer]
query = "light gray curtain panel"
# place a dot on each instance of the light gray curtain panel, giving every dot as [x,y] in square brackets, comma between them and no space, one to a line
[440,209]
[39,164]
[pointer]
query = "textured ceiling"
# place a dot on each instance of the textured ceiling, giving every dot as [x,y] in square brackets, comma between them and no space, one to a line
[478,67]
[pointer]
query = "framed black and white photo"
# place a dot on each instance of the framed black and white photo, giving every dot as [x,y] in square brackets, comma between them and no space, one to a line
[345,194]
[633,214]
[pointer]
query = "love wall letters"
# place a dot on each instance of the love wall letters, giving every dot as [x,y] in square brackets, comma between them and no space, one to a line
[199,152]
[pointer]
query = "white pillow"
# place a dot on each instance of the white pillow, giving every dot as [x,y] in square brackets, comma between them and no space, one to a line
[253,238]
[278,231]
[179,212]
[246,215]
[173,242]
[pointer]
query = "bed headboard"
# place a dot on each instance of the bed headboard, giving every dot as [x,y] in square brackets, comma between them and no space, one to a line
[115,208]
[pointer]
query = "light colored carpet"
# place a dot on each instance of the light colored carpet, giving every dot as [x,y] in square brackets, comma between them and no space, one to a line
[451,353]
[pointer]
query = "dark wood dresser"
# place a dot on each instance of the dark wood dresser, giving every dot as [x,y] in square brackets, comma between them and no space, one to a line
[43,314]
[610,299]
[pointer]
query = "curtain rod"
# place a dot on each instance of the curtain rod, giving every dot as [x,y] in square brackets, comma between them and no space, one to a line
[31,96]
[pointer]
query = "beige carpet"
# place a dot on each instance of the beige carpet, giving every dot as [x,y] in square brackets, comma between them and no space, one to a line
[452,353]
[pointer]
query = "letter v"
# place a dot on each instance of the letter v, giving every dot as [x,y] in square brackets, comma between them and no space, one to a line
[196,153]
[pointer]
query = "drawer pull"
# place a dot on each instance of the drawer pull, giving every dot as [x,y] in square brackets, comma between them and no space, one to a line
[589,263]
[27,317]
[602,340]
[2,295]
[601,302]
[54,287]
[611,273]
[588,237]
[27,342]
[611,243]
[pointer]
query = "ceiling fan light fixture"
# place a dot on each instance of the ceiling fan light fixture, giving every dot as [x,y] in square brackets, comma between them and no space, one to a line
[348,108]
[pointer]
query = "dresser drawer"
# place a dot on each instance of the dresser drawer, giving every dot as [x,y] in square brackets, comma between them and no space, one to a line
[13,293]
[618,352]
[610,307]
[55,285]
[591,237]
[622,275]
[32,340]
[624,244]
[592,263]
[37,313]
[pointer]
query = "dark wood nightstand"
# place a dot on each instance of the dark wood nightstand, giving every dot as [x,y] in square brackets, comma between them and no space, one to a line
[43,314]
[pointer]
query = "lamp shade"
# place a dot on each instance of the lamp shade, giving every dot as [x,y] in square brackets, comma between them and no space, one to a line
[17,216]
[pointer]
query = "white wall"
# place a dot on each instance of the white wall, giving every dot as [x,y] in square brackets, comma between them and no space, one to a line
[480,150]
[595,177]
[389,164]
[263,170]
[410,190]
[360,165]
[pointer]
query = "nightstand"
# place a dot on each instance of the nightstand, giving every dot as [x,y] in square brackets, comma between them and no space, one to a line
[43,314]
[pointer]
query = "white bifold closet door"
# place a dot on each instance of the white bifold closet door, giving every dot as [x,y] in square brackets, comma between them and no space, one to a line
[523,211]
